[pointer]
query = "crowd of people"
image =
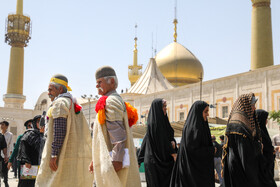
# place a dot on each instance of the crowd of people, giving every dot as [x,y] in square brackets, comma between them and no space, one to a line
[244,158]
[68,154]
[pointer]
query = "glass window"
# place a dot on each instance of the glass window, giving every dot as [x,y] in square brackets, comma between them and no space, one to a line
[225,111]
[182,116]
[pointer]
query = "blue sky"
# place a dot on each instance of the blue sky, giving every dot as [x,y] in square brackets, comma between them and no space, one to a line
[76,37]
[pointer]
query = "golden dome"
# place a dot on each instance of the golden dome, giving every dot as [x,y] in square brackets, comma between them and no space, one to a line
[179,65]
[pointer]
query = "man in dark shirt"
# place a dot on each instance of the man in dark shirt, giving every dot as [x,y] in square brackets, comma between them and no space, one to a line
[217,158]
[3,148]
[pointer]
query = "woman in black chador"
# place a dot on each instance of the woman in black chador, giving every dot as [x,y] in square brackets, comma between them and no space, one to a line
[267,161]
[194,166]
[243,147]
[30,147]
[158,149]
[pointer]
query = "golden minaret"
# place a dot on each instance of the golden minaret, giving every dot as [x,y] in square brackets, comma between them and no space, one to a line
[134,71]
[261,41]
[17,35]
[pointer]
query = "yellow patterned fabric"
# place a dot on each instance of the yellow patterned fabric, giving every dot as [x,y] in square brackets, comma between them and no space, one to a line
[75,154]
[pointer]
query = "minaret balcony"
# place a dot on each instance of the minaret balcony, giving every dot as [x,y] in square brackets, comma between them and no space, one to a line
[134,72]
[18,30]
[135,67]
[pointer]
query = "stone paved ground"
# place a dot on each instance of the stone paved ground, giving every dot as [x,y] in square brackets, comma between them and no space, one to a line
[216,185]
[13,182]
[143,184]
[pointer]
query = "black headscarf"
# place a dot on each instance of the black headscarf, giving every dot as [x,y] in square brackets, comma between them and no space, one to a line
[156,148]
[196,128]
[159,131]
[27,122]
[267,164]
[195,162]
[262,116]
[34,122]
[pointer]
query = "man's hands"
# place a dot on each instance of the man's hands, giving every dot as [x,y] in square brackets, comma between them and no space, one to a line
[53,164]
[117,165]
[28,165]
[90,167]
[6,158]
[174,156]
[173,144]
[9,165]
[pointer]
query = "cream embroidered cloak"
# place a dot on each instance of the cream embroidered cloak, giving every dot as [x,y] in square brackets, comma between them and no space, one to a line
[104,172]
[75,153]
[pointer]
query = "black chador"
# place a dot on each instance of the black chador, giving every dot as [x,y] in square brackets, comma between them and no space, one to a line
[243,148]
[268,156]
[194,166]
[156,148]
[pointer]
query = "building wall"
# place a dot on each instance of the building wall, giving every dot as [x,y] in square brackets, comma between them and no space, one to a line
[220,93]
[16,119]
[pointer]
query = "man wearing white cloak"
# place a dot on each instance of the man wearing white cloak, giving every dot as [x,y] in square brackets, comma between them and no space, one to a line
[67,149]
[113,159]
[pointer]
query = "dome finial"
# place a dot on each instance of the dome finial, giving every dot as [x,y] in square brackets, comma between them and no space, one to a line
[175,30]
[135,39]
[175,22]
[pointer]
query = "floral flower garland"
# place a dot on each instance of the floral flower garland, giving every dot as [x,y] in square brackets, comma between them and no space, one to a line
[100,109]
[77,108]
[131,114]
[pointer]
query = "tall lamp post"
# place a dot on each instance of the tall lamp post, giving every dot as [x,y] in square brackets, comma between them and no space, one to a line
[200,90]
[89,98]
[144,116]
[213,106]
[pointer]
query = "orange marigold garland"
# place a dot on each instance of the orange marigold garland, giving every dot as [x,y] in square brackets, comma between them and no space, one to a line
[131,114]
[100,109]
[101,116]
